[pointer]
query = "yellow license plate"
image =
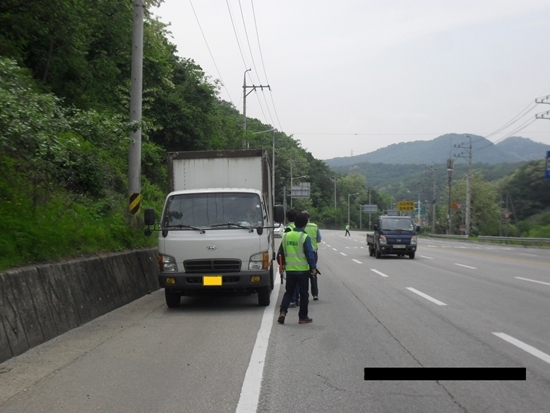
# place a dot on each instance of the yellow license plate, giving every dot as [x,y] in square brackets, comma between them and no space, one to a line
[209,280]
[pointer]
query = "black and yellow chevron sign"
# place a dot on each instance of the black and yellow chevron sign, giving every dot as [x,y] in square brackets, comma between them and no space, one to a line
[134,204]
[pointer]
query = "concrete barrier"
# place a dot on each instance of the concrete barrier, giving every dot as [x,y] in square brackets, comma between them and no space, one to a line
[41,302]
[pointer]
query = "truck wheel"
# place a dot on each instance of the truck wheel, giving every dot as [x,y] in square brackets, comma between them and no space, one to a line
[411,255]
[371,252]
[377,253]
[172,299]
[263,296]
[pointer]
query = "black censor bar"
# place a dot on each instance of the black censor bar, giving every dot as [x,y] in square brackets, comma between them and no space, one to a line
[445,373]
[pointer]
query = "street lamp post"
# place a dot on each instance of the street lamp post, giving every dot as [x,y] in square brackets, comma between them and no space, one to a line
[449,176]
[334,193]
[349,195]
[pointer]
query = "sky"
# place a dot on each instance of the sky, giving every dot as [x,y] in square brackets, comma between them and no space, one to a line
[349,77]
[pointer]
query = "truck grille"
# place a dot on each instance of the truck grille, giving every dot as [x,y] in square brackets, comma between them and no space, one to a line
[212,266]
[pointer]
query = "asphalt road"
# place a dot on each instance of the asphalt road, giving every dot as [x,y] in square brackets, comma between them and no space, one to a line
[457,304]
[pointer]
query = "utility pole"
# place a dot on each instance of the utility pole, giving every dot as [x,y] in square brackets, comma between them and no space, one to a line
[468,181]
[449,176]
[136,88]
[253,88]
[543,115]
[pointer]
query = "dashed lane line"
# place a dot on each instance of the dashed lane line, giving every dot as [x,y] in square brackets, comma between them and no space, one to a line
[524,346]
[466,266]
[426,296]
[379,273]
[533,281]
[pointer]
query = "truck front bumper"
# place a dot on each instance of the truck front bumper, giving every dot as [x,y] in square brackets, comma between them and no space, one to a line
[397,249]
[232,281]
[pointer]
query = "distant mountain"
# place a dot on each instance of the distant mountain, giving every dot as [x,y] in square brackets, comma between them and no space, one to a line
[438,150]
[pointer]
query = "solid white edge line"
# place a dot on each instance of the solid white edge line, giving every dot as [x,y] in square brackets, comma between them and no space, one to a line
[426,296]
[358,262]
[379,273]
[466,266]
[526,347]
[533,281]
[250,391]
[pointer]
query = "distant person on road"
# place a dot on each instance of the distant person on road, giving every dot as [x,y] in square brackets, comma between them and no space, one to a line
[313,231]
[347,231]
[298,260]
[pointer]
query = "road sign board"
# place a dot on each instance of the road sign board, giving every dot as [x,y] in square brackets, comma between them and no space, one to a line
[370,208]
[301,191]
[405,205]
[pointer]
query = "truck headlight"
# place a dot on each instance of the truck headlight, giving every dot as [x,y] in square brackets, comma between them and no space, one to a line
[382,239]
[259,262]
[167,263]
[413,240]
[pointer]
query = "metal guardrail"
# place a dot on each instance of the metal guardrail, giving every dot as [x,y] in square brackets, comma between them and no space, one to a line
[448,236]
[516,239]
[525,240]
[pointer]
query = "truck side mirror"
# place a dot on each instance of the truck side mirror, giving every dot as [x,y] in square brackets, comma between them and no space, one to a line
[149,216]
[279,213]
[418,228]
[375,227]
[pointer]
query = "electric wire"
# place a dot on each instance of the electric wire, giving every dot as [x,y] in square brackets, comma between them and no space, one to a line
[210,51]
[263,64]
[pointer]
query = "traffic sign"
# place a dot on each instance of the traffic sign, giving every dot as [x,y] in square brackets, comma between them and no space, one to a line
[405,206]
[370,208]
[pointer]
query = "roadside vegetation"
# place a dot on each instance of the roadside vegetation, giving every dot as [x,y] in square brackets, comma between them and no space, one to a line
[64,138]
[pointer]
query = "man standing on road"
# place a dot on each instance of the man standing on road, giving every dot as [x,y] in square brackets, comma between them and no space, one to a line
[347,231]
[298,260]
[313,231]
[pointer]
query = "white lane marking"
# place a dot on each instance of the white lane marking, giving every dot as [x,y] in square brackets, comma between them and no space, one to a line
[426,296]
[533,281]
[250,391]
[335,249]
[345,255]
[378,272]
[527,255]
[430,258]
[526,347]
[466,266]
[358,262]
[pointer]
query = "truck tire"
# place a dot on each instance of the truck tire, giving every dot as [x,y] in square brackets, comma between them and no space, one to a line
[371,252]
[263,296]
[411,255]
[377,253]
[172,299]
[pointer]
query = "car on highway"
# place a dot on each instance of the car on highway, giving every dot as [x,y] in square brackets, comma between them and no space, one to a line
[279,230]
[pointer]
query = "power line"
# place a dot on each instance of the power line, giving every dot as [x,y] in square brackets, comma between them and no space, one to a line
[210,52]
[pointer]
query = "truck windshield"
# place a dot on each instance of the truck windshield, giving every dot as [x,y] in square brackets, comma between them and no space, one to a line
[202,210]
[397,224]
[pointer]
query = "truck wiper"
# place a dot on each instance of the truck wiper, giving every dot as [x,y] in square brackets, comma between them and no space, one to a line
[231,224]
[181,226]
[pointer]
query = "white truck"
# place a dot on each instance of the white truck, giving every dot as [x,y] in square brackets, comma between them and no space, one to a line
[216,228]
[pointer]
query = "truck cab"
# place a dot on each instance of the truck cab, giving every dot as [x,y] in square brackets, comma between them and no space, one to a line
[393,235]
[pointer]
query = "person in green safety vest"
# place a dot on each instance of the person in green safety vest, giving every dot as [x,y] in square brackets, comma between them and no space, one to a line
[298,260]
[313,231]
[347,230]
